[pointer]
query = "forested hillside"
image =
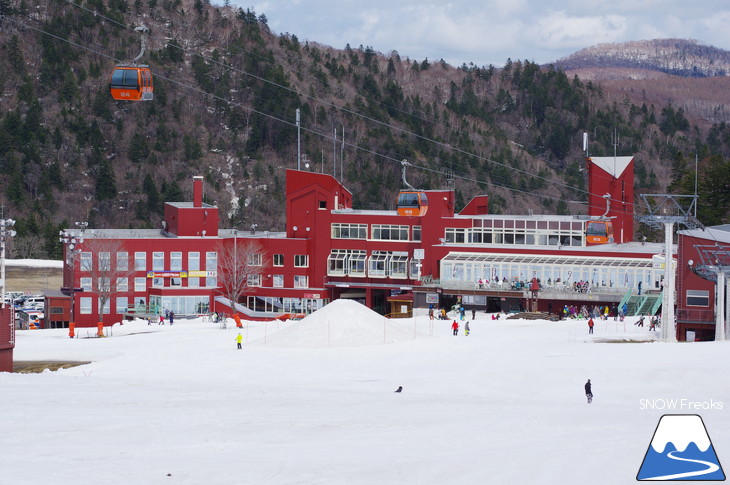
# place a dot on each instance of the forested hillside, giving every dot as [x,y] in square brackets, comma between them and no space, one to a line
[226,94]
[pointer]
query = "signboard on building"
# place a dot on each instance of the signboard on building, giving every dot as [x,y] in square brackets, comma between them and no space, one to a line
[202,274]
[167,274]
[432,298]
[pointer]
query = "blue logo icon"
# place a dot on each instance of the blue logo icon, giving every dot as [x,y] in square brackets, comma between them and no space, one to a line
[681,450]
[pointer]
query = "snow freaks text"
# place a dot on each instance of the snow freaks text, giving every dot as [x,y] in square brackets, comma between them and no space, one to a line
[680,405]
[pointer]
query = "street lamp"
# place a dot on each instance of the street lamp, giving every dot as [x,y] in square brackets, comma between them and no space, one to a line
[5,233]
[72,239]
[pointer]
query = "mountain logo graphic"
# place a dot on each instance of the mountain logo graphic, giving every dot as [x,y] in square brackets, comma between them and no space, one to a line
[681,450]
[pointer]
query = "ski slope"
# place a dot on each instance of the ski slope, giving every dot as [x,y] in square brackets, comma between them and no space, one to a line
[313,402]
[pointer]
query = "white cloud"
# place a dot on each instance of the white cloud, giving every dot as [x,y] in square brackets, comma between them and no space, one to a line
[560,31]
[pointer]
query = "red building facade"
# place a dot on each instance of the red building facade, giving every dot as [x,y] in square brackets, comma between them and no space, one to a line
[330,250]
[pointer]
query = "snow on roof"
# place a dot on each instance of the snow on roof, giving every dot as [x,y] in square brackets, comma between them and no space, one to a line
[615,166]
[341,323]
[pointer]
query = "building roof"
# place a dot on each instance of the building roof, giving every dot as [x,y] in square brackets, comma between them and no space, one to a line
[713,233]
[615,166]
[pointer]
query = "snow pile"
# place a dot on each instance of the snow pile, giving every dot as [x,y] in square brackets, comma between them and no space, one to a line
[341,323]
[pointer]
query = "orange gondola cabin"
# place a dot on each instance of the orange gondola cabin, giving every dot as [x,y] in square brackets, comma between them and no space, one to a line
[599,232]
[412,203]
[131,83]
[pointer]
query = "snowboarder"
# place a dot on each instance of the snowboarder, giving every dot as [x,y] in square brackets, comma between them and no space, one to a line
[589,391]
[466,329]
[590,325]
[400,389]
[239,338]
[455,327]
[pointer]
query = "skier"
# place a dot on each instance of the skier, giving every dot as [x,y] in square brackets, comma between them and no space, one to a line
[473,313]
[172,317]
[589,392]
[400,389]
[239,338]
[590,325]
[455,327]
[466,329]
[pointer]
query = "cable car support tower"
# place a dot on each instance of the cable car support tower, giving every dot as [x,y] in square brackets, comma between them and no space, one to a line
[667,210]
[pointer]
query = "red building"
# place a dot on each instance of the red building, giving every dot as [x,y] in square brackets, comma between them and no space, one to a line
[7,339]
[613,176]
[702,254]
[330,250]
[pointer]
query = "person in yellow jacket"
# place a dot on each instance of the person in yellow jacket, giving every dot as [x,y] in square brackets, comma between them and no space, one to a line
[239,338]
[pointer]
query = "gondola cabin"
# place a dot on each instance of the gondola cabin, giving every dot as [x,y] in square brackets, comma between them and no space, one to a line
[131,83]
[412,203]
[599,232]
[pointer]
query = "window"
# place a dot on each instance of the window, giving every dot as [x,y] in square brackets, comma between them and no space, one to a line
[301,281]
[85,284]
[158,261]
[211,261]
[698,298]
[255,259]
[85,305]
[386,232]
[398,266]
[122,284]
[301,260]
[105,261]
[416,233]
[158,282]
[336,262]
[193,282]
[415,268]
[176,261]
[122,261]
[254,280]
[349,231]
[211,282]
[140,284]
[356,263]
[194,261]
[278,260]
[278,281]
[105,284]
[378,263]
[455,235]
[121,304]
[176,282]
[140,261]
[86,261]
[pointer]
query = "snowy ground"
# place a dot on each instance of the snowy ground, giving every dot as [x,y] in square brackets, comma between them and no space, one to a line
[312,402]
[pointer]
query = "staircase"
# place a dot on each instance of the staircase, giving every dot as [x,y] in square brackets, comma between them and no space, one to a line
[647,304]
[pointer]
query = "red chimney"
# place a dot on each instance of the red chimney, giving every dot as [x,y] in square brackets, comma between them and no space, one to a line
[198,191]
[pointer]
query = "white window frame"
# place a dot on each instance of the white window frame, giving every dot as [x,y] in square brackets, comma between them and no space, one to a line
[349,231]
[211,261]
[379,260]
[194,261]
[123,284]
[253,280]
[357,263]
[86,262]
[106,309]
[696,295]
[122,261]
[158,261]
[255,259]
[176,261]
[301,261]
[193,282]
[86,305]
[278,281]
[398,265]
[278,260]
[140,284]
[301,281]
[140,261]
[121,304]
[337,262]
[86,283]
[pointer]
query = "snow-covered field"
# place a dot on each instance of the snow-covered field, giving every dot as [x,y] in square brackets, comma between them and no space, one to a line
[312,402]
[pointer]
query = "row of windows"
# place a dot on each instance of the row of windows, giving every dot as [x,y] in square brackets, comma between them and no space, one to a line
[522,237]
[380,264]
[379,232]
[104,261]
[140,283]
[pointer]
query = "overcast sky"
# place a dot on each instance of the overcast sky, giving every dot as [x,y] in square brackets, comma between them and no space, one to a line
[490,31]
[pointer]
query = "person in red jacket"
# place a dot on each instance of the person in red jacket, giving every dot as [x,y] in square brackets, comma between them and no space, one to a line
[455,327]
[590,325]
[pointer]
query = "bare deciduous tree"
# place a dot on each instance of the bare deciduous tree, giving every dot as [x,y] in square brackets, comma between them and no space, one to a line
[108,272]
[241,267]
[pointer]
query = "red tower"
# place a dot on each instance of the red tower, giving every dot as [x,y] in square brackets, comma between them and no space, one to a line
[613,176]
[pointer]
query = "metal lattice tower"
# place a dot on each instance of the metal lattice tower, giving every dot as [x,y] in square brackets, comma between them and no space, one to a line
[667,210]
[714,265]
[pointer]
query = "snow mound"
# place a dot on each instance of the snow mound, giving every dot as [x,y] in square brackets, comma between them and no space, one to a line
[341,323]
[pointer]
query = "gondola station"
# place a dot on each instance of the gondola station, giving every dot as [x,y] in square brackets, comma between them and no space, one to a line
[422,254]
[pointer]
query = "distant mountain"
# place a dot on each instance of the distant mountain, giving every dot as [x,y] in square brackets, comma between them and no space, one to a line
[648,59]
